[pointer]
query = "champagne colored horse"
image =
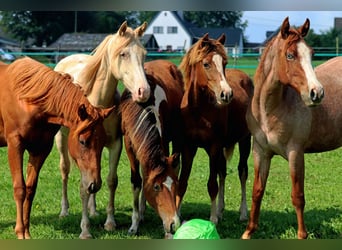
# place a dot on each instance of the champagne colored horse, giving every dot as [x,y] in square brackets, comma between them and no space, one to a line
[119,57]
[35,102]
[281,117]
[214,120]
[148,129]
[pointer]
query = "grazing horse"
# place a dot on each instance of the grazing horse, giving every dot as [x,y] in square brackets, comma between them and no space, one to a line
[213,119]
[118,57]
[281,117]
[35,102]
[148,129]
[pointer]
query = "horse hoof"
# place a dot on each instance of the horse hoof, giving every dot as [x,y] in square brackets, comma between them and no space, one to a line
[85,236]
[110,226]
[132,232]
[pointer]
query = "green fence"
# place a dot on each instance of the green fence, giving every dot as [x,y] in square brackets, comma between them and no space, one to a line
[241,61]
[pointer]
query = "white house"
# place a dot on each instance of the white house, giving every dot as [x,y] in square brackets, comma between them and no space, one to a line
[173,33]
[169,31]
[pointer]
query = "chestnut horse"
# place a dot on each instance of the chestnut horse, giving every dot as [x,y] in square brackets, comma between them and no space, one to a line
[35,102]
[213,119]
[148,129]
[281,119]
[118,57]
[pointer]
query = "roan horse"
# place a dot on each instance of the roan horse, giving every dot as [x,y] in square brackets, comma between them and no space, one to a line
[148,129]
[213,119]
[282,120]
[35,102]
[119,57]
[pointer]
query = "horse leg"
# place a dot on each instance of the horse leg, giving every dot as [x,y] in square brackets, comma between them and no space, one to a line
[114,149]
[262,162]
[85,223]
[64,166]
[218,168]
[188,154]
[112,181]
[34,166]
[15,160]
[297,172]
[136,182]
[244,150]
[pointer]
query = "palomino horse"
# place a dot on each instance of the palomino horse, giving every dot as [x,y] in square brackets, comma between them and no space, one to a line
[119,57]
[281,120]
[213,119]
[35,102]
[148,129]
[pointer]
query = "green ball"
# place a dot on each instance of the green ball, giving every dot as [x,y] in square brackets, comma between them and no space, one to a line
[197,229]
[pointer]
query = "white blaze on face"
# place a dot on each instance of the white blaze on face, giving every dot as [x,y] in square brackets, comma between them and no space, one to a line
[168,183]
[217,59]
[304,54]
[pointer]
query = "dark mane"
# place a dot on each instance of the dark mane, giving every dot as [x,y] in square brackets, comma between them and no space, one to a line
[53,92]
[140,126]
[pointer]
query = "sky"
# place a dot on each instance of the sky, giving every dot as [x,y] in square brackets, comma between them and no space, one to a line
[261,21]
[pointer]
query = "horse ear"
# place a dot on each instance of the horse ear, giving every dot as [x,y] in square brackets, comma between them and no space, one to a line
[141,29]
[305,28]
[285,27]
[222,39]
[175,160]
[205,37]
[122,28]
[106,112]
[82,112]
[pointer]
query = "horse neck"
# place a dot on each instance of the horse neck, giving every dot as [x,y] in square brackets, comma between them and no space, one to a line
[269,91]
[104,86]
[193,91]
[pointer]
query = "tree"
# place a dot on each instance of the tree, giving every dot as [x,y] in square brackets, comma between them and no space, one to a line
[214,19]
[44,27]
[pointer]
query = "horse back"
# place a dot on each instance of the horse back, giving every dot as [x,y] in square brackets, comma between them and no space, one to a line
[166,75]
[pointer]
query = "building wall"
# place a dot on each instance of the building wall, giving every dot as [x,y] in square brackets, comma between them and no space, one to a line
[174,41]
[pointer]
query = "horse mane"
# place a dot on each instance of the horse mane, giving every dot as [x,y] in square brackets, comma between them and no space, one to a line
[196,54]
[53,92]
[88,74]
[139,124]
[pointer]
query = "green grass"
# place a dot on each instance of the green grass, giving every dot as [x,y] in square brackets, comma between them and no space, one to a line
[323,211]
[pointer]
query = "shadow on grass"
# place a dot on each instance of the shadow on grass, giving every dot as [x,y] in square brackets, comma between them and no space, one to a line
[272,224]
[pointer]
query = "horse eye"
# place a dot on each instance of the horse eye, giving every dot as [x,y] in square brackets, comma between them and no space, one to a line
[156,187]
[289,56]
[206,65]
[123,54]
[82,142]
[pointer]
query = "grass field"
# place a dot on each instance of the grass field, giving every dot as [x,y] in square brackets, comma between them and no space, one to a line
[323,213]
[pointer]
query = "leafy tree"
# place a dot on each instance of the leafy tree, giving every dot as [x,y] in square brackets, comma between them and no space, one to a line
[44,27]
[214,19]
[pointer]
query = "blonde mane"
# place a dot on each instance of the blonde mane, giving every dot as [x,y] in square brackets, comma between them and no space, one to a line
[105,52]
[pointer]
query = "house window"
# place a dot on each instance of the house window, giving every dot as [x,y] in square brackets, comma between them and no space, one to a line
[158,30]
[172,30]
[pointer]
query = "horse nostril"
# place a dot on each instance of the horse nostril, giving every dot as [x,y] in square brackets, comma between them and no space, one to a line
[226,97]
[315,96]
